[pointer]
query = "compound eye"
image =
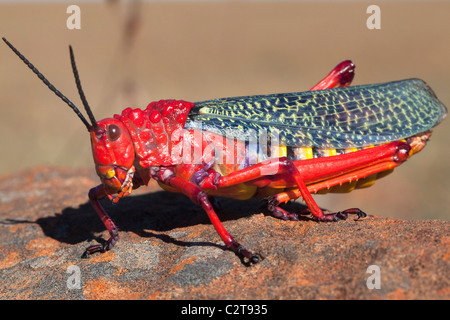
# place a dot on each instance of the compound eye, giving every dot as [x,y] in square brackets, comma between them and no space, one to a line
[113,132]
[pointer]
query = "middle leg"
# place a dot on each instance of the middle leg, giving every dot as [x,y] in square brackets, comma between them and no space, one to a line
[198,196]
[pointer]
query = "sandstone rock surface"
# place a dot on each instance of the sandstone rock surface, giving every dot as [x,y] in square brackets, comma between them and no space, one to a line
[169,250]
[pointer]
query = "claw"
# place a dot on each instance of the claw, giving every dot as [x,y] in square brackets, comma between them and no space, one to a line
[108,245]
[247,258]
[283,214]
[92,249]
[343,215]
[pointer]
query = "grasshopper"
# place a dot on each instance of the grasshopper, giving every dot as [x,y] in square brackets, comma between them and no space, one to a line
[279,147]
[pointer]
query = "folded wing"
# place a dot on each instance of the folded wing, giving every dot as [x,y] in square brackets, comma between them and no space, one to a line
[354,116]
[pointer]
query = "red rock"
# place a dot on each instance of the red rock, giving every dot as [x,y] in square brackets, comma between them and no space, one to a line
[169,250]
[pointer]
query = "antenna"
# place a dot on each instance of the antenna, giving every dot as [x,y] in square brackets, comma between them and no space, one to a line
[51,87]
[80,89]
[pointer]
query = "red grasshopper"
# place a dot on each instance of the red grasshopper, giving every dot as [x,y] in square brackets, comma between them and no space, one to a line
[333,136]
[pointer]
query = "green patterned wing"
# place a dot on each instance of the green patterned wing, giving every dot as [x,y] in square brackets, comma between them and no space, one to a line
[354,116]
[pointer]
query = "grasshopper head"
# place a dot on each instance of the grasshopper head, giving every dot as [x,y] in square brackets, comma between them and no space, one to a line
[113,152]
[112,146]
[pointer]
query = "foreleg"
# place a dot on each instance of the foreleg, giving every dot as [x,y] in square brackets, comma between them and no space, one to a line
[95,194]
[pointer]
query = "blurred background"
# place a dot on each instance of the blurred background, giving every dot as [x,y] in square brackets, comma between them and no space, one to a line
[130,53]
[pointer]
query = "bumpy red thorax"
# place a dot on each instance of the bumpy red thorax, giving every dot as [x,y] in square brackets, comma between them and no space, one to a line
[157,131]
